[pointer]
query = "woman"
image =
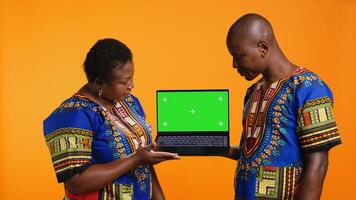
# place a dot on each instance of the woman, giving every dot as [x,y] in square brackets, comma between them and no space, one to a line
[100,143]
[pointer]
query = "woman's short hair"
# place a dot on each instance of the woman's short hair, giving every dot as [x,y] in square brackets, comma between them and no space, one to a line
[104,56]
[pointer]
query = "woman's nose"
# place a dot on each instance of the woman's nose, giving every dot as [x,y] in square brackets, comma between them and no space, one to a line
[131,86]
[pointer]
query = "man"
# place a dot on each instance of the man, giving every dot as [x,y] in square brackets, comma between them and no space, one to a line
[288,121]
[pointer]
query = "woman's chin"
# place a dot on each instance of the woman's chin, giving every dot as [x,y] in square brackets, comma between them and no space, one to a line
[124,96]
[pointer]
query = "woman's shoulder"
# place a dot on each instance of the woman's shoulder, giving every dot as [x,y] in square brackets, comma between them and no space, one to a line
[77,111]
[77,102]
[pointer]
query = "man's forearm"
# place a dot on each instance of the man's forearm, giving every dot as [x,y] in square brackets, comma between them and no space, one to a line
[313,177]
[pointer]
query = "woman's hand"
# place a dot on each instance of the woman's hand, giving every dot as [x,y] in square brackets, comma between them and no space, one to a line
[147,155]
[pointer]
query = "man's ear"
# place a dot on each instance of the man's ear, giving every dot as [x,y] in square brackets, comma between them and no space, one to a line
[263,48]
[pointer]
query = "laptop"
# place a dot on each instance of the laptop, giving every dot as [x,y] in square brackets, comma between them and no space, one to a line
[193,122]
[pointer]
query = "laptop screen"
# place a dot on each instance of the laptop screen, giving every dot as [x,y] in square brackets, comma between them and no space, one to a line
[192,110]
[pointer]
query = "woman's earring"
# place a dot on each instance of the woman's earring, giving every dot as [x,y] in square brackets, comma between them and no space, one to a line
[100,92]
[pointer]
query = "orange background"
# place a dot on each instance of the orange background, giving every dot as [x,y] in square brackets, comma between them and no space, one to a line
[176,45]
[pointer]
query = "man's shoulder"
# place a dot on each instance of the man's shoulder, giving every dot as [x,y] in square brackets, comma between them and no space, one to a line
[307,85]
[306,78]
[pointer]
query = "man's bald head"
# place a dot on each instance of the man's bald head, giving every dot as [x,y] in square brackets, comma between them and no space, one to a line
[252,44]
[254,49]
[252,27]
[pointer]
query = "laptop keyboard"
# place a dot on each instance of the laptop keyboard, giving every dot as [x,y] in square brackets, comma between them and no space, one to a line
[217,141]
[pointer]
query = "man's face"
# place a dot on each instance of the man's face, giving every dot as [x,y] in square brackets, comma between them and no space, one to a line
[246,57]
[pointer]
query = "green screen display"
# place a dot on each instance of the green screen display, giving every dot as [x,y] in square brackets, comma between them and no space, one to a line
[181,111]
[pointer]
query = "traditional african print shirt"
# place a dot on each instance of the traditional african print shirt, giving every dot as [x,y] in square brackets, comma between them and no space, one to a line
[282,121]
[80,133]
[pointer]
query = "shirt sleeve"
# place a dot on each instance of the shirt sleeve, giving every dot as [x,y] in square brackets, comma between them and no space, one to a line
[69,137]
[317,129]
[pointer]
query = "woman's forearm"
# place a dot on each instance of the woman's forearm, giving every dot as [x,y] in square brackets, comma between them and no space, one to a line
[98,176]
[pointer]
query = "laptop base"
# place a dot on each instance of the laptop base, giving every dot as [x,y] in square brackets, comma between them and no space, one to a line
[196,150]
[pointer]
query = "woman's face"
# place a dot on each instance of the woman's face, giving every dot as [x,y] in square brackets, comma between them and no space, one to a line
[120,82]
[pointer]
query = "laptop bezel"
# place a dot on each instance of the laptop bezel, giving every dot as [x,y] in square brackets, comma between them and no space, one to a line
[210,150]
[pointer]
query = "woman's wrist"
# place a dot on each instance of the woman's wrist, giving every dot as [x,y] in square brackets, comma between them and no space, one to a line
[135,159]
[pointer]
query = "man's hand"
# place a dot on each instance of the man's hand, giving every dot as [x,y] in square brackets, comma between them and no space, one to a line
[234,153]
